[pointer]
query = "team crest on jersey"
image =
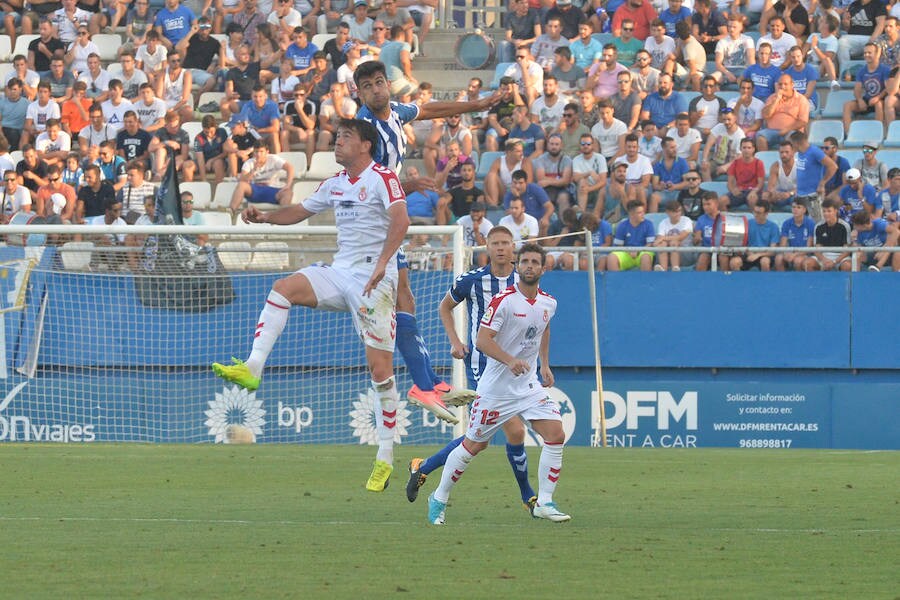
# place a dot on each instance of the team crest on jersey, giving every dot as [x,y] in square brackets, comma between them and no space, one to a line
[363,194]
[546,315]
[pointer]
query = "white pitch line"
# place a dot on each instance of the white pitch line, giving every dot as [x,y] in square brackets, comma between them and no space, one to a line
[381,523]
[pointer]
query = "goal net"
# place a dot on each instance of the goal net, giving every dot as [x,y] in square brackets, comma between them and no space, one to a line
[114,343]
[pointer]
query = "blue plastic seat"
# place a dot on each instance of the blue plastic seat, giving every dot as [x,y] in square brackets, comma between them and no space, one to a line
[499,70]
[485,162]
[834,105]
[864,132]
[768,157]
[819,130]
[892,139]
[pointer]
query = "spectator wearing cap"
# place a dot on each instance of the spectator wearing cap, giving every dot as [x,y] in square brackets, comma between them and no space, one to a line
[360,24]
[856,195]
[199,50]
[284,16]
[263,117]
[874,172]
[173,22]
[319,79]
[353,58]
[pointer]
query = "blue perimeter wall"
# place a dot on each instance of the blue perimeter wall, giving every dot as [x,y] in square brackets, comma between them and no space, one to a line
[693,359]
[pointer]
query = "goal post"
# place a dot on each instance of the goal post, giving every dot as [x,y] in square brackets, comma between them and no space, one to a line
[114,343]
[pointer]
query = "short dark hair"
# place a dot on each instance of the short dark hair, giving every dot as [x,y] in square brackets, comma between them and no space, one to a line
[533,247]
[519,174]
[368,69]
[365,130]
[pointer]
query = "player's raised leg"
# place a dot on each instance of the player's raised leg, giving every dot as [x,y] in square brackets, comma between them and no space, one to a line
[286,292]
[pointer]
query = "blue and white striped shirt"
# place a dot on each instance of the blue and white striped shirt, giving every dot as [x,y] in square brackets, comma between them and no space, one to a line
[393,139]
[477,287]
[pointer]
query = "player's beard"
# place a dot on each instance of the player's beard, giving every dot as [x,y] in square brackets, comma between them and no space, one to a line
[530,278]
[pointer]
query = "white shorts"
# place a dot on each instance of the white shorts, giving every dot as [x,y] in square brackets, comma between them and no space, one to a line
[373,316]
[833,256]
[488,415]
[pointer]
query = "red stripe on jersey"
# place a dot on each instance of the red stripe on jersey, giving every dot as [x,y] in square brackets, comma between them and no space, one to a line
[495,304]
[391,183]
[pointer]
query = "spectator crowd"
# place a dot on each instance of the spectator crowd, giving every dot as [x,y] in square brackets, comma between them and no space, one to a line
[640,121]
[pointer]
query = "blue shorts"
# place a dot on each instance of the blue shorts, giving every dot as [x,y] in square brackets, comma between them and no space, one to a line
[263,193]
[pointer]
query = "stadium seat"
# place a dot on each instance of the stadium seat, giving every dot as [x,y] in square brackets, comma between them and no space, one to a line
[222,195]
[114,69]
[76,256]
[892,139]
[303,190]
[819,130]
[5,69]
[689,95]
[319,40]
[719,187]
[485,162]
[851,68]
[851,155]
[890,157]
[499,70]
[202,192]
[656,218]
[22,42]
[205,98]
[192,128]
[15,156]
[5,48]
[297,160]
[728,96]
[235,256]
[108,44]
[322,166]
[604,38]
[216,219]
[270,256]
[780,217]
[834,105]
[862,132]
[768,157]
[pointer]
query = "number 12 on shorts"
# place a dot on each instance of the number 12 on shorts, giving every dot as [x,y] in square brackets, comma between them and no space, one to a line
[489,417]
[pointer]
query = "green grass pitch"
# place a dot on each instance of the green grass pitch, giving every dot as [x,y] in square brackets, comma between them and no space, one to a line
[267,521]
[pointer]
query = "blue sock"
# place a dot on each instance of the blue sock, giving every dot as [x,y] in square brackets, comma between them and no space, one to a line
[412,348]
[437,460]
[518,460]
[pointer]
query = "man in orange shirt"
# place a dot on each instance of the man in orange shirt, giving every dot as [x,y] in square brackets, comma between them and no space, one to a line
[47,206]
[785,111]
[74,111]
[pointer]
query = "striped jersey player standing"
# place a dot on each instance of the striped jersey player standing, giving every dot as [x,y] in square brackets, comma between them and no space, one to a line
[514,333]
[370,214]
[476,288]
[389,117]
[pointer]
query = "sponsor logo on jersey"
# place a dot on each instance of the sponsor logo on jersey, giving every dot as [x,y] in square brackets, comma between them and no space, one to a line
[394,186]
[488,315]
[531,332]
[515,314]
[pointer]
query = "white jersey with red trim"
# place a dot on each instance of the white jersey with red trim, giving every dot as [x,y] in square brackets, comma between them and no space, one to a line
[360,213]
[520,323]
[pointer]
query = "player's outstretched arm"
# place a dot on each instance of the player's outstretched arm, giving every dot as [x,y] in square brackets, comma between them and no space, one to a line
[457,348]
[288,215]
[395,236]
[488,346]
[439,110]
[544,356]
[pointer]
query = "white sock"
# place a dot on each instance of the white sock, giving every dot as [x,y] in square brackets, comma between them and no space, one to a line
[385,409]
[271,323]
[456,464]
[548,471]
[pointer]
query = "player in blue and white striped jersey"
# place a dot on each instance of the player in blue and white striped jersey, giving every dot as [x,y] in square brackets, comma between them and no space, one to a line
[476,288]
[389,118]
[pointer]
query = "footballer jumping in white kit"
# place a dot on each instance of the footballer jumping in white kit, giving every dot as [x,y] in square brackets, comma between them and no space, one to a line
[514,333]
[370,214]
